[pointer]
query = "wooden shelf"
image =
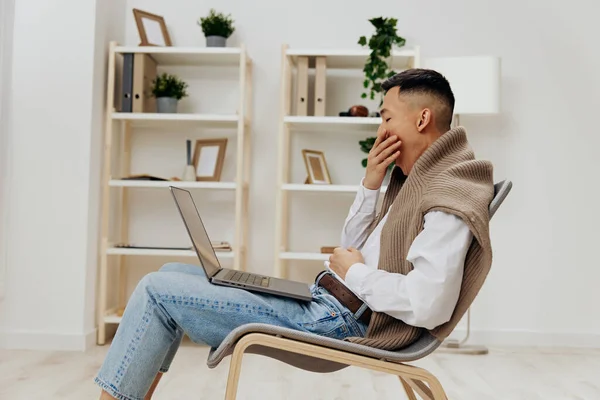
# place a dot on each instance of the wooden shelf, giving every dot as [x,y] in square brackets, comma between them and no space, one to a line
[164,119]
[118,162]
[304,256]
[120,251]
[166,184]
[188,56]
[112,319]
[294,89]
[301,187]
[338,124]
[352,58]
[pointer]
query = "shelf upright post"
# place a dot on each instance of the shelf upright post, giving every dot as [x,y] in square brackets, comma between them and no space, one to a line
[239,242]
[281,200]
[106,172]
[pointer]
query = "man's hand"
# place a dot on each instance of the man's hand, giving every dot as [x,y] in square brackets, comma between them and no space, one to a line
[385,151]
[342,259]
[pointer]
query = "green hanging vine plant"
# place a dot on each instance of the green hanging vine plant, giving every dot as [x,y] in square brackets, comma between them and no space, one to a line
[377,68]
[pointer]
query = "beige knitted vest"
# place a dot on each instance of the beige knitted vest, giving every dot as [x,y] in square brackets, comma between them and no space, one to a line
[447,178]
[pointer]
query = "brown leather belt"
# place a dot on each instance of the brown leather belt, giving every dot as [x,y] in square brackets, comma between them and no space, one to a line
[343,295]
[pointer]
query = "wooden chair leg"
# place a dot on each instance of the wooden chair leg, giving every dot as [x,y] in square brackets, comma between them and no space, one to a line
[414,379]
[234,372]
[432,392]
[409,392]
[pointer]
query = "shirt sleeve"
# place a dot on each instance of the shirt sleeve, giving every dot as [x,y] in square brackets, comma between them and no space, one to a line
[361,214]
[427,295]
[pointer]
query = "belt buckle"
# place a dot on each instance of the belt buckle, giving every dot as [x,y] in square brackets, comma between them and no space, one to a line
[320,276]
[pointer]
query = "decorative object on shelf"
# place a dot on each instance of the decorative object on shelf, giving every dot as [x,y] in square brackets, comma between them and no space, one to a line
[316,167]
[377,68]
[189,173]
[152,29]
[209,156]
[355,111]
[168,90]
[327,249]
[217,27]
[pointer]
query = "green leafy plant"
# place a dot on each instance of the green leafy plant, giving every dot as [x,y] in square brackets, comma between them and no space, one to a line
[377,68]
[167,85]
[217,24]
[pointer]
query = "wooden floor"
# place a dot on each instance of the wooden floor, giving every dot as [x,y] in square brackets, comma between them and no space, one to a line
[507,374]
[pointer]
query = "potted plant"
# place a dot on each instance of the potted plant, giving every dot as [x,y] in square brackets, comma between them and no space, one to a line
[217,27]
[377,68]
[168,90]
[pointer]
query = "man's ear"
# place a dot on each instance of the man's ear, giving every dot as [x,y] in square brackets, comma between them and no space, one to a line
[424,119]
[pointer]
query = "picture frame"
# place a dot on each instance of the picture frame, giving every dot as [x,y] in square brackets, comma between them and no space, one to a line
[209,157]
[316,167]
[152,29]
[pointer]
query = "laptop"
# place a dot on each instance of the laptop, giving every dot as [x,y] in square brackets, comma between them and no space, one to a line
[229,277]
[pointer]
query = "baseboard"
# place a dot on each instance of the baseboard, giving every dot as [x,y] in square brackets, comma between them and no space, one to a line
[527,338]
[31,340]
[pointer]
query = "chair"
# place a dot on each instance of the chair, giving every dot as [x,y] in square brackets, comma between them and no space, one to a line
[322,354]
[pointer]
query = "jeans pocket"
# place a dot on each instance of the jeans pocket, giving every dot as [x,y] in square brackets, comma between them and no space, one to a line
[330,322]
[333,327]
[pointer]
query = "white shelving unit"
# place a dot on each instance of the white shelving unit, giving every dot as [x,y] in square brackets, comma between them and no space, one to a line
[335,59]
[128,122]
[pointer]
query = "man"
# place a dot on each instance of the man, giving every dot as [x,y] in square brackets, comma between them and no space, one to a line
[418,267]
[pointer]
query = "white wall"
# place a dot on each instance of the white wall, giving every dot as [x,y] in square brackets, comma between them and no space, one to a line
[58,95]
[6,34]
[542,289]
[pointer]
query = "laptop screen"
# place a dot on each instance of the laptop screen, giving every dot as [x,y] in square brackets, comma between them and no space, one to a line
[196,230]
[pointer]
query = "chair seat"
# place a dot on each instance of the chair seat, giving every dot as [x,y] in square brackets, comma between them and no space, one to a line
[425,345]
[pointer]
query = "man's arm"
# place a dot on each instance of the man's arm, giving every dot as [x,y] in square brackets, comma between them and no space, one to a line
[426,296]
[361,214]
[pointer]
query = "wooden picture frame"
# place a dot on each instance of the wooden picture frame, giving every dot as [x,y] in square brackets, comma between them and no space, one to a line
[152,29]
[209,157]
[316,167]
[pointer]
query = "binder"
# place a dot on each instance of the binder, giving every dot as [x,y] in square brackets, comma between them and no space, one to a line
[320,78]
[302,87]
[144,72]
[127,86]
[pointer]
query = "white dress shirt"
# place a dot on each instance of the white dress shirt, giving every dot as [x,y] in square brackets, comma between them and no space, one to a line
[426,296]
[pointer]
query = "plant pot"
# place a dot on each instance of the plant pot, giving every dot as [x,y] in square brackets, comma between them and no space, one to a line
[166,105]
[216,41]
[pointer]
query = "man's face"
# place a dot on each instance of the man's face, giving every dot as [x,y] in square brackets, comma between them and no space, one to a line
[400,119]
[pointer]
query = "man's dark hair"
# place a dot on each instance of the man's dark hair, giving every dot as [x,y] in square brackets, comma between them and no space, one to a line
[428,82]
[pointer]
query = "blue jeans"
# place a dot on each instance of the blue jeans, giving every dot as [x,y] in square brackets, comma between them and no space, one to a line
[179,299]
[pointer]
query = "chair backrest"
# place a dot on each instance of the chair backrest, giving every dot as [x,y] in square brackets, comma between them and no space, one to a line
[427,343]
[501,190]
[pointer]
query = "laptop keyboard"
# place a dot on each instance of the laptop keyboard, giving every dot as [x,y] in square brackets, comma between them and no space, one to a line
[245,277]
